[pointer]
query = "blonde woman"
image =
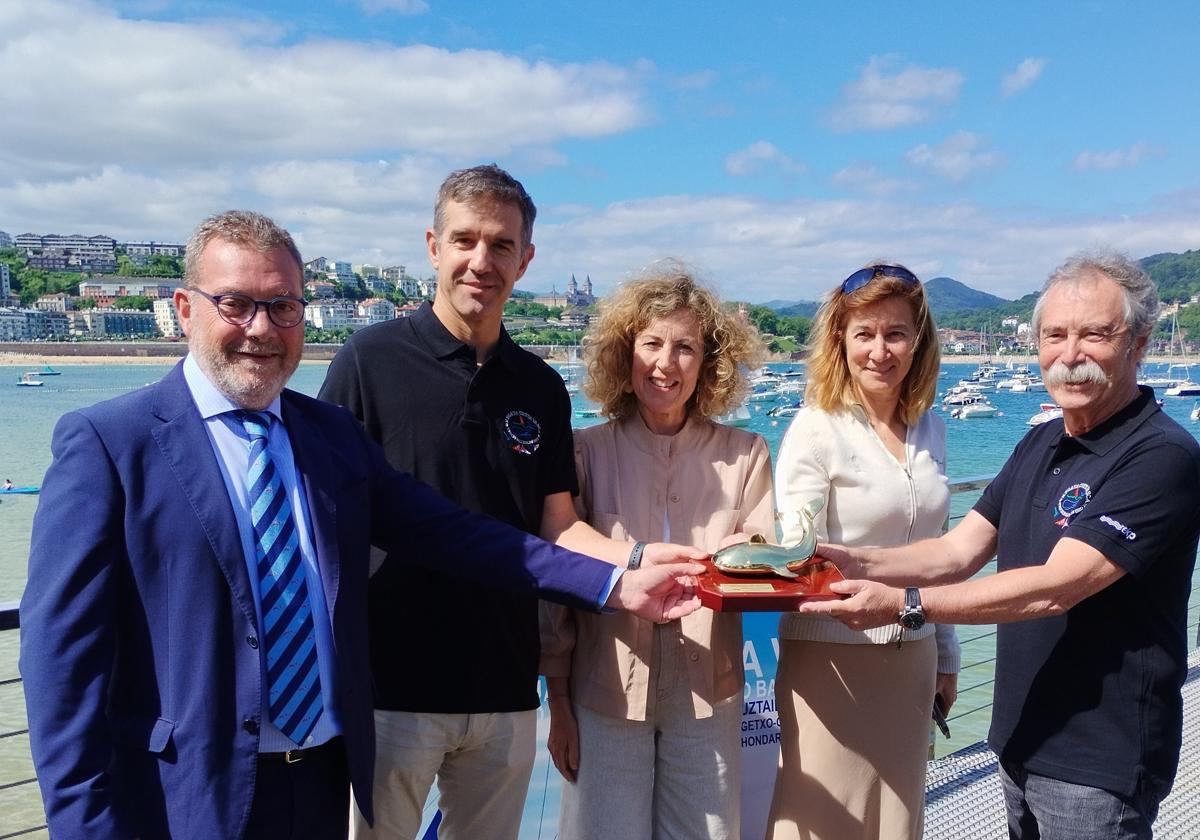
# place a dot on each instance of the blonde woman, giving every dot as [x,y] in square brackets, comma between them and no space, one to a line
[855,706]
[644,717]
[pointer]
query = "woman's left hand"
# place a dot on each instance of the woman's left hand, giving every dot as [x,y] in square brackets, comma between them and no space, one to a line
[946,687]
[563,741]
[733,539]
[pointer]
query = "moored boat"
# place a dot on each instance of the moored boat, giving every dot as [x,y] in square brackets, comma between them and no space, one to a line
[30,379]
[976,408]
[1047,412]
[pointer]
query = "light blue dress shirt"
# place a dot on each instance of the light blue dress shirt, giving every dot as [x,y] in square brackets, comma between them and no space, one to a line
[232,448]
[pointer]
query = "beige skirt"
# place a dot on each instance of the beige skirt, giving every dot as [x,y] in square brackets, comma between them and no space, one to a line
[854,723]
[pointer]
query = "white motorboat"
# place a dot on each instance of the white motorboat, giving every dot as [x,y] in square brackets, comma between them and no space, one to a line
[739,417]
[1186,388]
[30,379]
[979,407]
[788,410]
[962,393]
[1047,412]
[763,395]
[1024,384]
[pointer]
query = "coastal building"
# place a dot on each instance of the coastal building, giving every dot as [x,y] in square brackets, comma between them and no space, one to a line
[316,268]
[376,310]
[411,288]
[320,289]
[33,325]
[54,303]
[575,320]
[151,249]
[5,283]
[166,318]
[75,246]
[113,323]
[377,284]
[341,271]
[6,241]
[12,324]
[575,295]
[330,314]
[104,292]
[48,262]
[394,274]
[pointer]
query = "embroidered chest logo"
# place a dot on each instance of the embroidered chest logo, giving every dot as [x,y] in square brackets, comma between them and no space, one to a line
[522,433]
[1073,500]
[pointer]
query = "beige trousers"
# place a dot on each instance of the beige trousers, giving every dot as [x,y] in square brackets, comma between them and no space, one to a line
[669,777]
[854,728]
[482,763]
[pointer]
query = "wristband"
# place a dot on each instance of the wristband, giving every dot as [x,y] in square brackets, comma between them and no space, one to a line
[635,556]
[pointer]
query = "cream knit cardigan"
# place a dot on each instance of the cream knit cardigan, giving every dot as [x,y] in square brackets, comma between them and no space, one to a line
[871,499]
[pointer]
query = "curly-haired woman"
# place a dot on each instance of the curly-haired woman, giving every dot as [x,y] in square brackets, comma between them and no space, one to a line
[644,718]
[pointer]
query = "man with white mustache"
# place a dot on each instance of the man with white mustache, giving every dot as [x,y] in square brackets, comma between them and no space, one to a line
[1093,524]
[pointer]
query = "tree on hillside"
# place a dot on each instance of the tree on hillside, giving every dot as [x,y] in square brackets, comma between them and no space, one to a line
[139,302]
[1177,275]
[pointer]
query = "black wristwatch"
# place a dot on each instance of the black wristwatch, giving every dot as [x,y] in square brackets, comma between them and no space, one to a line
[912,617]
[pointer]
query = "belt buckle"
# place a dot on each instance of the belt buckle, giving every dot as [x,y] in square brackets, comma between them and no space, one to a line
[293,756]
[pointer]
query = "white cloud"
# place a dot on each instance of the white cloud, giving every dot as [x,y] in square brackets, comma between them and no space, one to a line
[798,249]
[885,96]
[1025,74]
[1117,158]
[956,157]
[864,178]
[403,7]
[239,92]
[758,156]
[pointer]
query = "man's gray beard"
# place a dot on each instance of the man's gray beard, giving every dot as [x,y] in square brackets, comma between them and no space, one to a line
[247,392]
[1086,372]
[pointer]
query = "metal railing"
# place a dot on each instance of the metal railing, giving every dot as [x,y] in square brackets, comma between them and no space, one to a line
[10,619]
[979,647]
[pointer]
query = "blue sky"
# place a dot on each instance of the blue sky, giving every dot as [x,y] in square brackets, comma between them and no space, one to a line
[774,146]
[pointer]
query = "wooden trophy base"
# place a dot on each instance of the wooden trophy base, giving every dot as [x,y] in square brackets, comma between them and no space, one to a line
[723,592]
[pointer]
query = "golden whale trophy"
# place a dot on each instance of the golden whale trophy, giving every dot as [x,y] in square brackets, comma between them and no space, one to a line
[758,576]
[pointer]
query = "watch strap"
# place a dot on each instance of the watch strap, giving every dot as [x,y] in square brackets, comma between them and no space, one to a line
[635,556]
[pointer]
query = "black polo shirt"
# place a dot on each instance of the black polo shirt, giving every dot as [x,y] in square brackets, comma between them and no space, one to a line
[1093,696]
[496,439]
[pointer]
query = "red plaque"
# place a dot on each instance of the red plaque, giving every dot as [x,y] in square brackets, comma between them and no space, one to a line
[723,592]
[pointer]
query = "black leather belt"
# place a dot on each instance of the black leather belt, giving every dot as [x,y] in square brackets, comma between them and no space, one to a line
[293,756]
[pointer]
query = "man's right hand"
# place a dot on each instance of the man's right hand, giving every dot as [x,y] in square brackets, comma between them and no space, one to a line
[658,593]
[659,554]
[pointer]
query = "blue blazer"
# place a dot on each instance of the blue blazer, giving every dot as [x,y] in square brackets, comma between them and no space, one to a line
[141,680]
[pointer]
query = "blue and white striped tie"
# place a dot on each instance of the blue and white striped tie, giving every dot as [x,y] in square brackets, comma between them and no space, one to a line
[293,678]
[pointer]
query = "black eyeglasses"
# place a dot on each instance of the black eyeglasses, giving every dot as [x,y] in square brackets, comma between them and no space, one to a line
[239,310]
[864,276]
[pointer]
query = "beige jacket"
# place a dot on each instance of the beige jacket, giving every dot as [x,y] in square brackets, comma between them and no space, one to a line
[695,488]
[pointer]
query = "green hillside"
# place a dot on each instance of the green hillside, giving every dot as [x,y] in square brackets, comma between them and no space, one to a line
[958,306]
[948,295]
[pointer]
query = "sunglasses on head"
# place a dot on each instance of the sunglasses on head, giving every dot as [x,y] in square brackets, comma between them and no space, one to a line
[864,276]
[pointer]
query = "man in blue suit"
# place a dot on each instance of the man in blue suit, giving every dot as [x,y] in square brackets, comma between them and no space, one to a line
[194,640]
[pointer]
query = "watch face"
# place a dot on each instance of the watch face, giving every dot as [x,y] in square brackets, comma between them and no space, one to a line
[913,620]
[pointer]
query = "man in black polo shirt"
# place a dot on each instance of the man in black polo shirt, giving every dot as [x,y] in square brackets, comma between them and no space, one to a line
[1093,522]
[454,401]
